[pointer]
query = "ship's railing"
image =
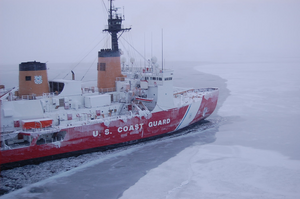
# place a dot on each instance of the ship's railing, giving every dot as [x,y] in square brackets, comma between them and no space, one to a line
[28,97]
[96,89]
[142,70]
[128,69]
[91,89]
[120,79]
[196,91]
[33,96]
[4,92]
[8,94]
[206,89]
[49,95]
[106,90]
[184,92]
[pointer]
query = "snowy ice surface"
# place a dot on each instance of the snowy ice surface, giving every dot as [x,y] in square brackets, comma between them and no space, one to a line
[214,171]
[265,98]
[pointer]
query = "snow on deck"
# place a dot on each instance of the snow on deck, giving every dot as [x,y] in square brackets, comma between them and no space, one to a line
[185,96]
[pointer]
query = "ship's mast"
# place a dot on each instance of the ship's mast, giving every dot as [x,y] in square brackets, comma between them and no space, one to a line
[109,63]
[115,26]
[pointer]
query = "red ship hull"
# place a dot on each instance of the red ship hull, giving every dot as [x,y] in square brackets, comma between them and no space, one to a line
[105,134]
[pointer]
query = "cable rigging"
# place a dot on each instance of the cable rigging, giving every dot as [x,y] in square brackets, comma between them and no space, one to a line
[89,68]
[105,6]
[83,58]
[134,49]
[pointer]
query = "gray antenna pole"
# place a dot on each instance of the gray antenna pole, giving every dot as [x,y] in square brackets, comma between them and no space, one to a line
[162,48]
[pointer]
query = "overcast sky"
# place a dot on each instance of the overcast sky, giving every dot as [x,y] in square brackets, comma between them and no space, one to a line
[200,30]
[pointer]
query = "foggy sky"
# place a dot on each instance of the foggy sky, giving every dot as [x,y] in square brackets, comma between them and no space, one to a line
[199,30]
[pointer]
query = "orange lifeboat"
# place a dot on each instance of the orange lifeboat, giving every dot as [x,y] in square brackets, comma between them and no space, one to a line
[36,124]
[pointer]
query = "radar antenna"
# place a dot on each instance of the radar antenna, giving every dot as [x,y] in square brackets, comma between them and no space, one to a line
[115,26]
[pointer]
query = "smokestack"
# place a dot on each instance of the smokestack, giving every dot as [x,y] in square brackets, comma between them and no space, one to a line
[109,68]
[33,78]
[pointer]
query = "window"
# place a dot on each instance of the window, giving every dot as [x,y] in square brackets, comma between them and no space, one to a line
[28,78]
[102,66]
[56,87]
